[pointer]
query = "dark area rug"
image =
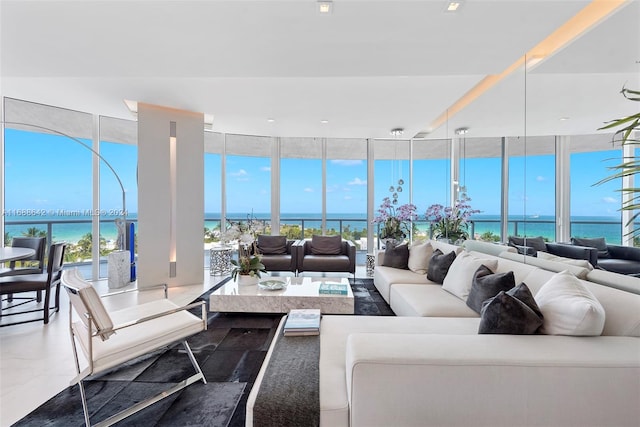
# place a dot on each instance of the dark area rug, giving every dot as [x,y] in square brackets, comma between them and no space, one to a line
[230,353]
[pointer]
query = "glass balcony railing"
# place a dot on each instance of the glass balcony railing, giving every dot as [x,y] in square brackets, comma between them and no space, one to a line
[77,232]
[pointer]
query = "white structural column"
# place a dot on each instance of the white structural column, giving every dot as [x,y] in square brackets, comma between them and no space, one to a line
[628,152]
[455,169]
[170,210]
[504,200]
[275,185]
[370,193]
[563,189]
[95,204]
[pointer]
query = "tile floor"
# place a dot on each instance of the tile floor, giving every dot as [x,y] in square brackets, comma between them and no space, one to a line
[36,360]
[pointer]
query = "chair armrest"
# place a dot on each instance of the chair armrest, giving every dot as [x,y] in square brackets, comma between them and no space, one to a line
[200,304]
[351,252]
[624,252]
[568,250]
[126,291]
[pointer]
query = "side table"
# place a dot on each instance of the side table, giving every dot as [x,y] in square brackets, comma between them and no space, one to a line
[220,260]
[371,264]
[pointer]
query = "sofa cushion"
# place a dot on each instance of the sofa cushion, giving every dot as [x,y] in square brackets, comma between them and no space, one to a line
[419,257]
[569,308]
[272,245]
[396,256]
[460,275]
[599,243]
[427,301]
[326,245]
[439,265]
[486,284]
[506,314]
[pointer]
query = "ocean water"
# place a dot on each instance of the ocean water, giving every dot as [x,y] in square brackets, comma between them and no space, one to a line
[72,228]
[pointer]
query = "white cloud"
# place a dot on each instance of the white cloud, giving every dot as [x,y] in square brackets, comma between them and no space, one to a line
[346,162]
[609,200]
[540,178]
[239,173]
[357,181]
[308,190]
[265,168]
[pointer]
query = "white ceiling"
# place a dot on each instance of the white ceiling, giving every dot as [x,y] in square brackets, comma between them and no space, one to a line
[368,67]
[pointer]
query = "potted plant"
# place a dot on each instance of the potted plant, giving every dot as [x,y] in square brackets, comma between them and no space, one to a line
[395,222]
[247,269]
[630,166]
[451,223]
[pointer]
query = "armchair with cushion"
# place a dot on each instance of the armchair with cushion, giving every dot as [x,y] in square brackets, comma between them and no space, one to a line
[614,258]
[326,254]
[277,253]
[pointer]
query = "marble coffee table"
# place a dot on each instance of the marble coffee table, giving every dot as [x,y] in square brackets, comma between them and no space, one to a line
[299,292]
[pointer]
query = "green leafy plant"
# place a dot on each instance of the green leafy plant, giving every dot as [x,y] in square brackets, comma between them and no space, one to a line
[630,166]
[247,265]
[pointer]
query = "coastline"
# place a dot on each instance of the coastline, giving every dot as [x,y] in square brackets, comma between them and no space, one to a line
[72,228]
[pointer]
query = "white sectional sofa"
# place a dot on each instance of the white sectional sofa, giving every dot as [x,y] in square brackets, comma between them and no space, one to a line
[430,367]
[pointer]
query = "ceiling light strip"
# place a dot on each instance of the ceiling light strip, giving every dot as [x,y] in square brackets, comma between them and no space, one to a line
[591,15]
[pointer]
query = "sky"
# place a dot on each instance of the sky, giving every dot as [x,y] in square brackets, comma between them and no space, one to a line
[50,173]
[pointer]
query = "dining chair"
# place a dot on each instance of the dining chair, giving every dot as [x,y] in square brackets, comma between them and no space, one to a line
[110,339]
[26,265]
[25,283]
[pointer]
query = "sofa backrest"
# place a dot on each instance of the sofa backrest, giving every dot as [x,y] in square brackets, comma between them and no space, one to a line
[554,266]
[615,280]
[445,247]
[487,247]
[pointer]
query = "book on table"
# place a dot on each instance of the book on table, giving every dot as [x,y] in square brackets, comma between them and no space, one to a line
[333,288]
[304,321]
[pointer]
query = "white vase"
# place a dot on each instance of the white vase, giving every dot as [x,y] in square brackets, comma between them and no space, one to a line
[246,280]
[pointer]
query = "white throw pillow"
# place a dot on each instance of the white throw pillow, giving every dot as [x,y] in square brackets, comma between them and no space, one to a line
[460,276]
[569,308]
[571,261]
[419,257]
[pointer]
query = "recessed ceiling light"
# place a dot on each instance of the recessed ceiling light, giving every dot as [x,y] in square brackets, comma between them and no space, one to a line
[453,6]
[462,131]
[562,119]
[271,120]
[397,131]
[324,122]
[325,7]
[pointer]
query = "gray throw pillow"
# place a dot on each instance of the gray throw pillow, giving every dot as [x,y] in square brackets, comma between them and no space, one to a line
[599,243]
[272,245]
[523,293]
[439,265]
[506,314]
[396,256]
[487,284]
[326,245]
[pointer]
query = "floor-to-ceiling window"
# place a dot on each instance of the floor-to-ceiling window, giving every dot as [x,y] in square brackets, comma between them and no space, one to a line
[595,208]
[118,147]
[346,189]
[479,177]
[48,175]
[248,180]
[431,178]
[532,210]
[301,187]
